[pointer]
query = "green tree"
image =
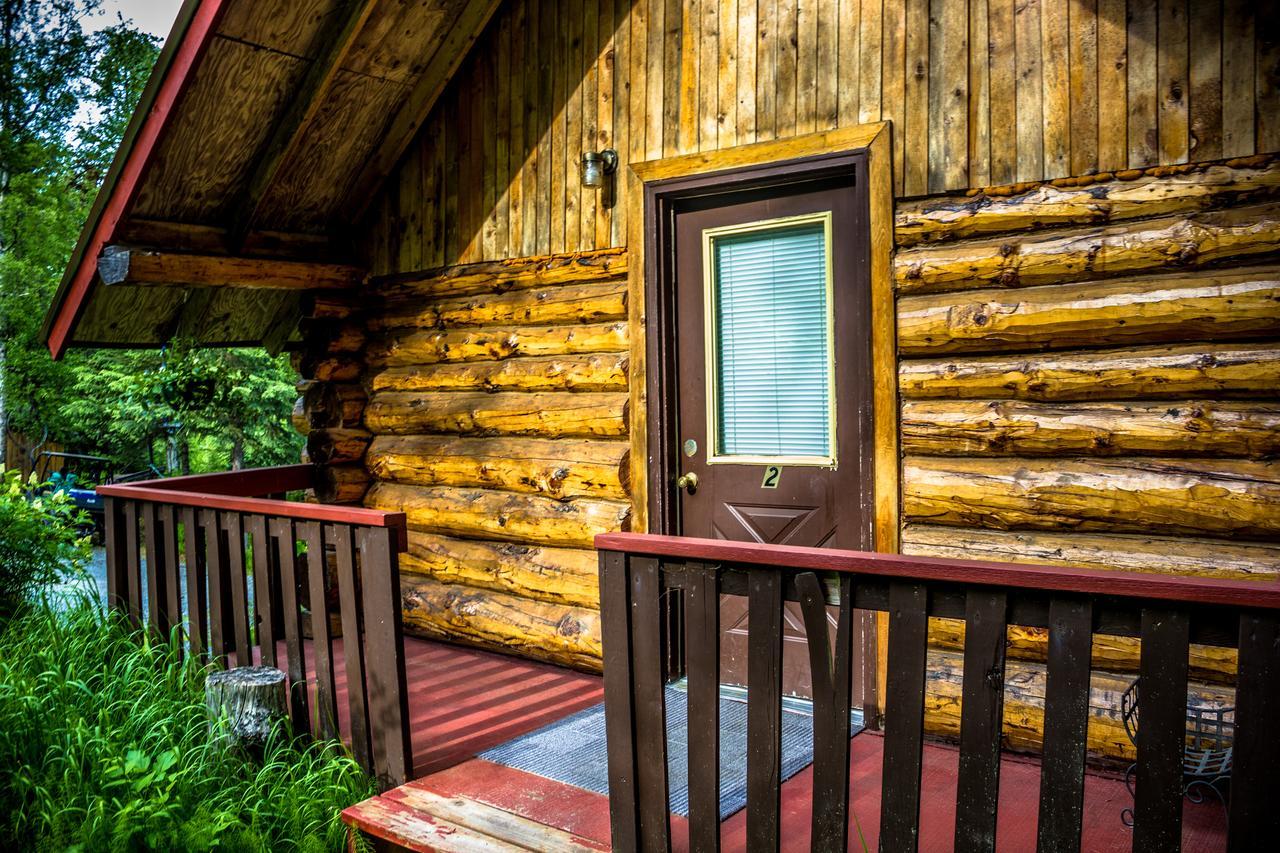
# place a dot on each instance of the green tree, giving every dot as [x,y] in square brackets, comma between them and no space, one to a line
[66,98]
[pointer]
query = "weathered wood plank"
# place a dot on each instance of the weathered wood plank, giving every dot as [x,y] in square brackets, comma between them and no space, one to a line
[556,414]
[1217,498]
[544,573]
[1170,308]
[1175,372]
[1015,428]
[487,514]
[1193,188]
[120,265]
[605,372]
[584,303]
[1154,245]
[1137,553]
[560,468]
[488,344]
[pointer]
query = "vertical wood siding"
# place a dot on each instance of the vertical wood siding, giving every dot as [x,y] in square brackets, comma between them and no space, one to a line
[981,93]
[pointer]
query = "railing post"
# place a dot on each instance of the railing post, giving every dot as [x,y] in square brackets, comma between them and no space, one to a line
[831,671]
[702,651]
[1162,731]
[117,566]
[1255,819]
[1066,719]
[193,545]
[384,641]
[981,720]
[353,642]
[647,671]
[295,663]
[619,701]
[156,572]
[904,717]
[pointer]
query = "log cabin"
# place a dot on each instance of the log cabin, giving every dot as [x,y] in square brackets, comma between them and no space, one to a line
[960,280]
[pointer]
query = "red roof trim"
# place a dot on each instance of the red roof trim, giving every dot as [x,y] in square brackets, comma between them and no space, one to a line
[120,190]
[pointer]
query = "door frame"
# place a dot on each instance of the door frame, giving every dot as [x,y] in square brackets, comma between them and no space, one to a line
[654,189]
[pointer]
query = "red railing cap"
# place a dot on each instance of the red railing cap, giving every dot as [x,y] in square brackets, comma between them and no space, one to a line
[238,491]
[1086,581]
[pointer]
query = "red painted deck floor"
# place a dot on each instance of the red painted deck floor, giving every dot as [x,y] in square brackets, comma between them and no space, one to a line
[463,701]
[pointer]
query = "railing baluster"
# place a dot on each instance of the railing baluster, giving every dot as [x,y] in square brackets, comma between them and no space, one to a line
[832,694]
[619,700]
[114,534]
[295,662]
[133,564]
[238,583]
[981,715]
[1066,716]
[1255,819]
[197,596]
[384,641]
[702,649]
[172,608]
[1162,730]
[650,704]
[218,568]
[321,635]
[904,717]
[264,591]
[155,569]
[339,535]
[764,707]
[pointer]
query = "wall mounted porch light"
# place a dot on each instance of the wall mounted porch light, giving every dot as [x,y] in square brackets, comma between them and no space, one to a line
[597,166]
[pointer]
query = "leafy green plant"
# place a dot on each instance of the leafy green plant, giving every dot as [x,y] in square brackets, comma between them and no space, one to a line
[105,745]
[39,539]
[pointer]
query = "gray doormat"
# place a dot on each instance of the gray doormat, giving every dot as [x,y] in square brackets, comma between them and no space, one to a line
[572,751]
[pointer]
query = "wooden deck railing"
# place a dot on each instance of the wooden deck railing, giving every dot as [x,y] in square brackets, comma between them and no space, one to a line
[1167,613]
[242,587]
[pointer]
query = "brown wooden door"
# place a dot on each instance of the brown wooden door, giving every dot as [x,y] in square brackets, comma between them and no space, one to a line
[777,497]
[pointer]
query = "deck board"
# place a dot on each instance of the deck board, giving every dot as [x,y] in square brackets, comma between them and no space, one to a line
[464,701]
[586,814]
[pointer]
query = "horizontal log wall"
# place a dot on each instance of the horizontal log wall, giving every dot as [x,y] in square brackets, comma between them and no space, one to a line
[985,93]
[1091,376]
[1090,353]
[497,405]
[331,401]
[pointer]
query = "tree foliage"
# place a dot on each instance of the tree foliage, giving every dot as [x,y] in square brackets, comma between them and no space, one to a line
[39,541]
[66,97]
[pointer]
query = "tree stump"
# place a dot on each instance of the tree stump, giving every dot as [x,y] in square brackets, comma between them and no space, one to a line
[250,698]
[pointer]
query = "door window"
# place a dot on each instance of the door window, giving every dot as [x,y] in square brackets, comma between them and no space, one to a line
[769,341]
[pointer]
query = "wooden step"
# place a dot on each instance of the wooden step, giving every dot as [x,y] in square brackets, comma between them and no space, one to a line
[414,817]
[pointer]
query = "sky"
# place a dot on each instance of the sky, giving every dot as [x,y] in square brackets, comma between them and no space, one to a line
[151,16]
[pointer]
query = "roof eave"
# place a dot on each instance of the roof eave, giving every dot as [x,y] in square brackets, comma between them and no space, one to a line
[192,32]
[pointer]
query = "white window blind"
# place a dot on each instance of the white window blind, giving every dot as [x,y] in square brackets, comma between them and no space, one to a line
[771,341]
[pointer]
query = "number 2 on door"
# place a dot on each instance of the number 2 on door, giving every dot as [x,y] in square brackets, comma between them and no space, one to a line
[771,475]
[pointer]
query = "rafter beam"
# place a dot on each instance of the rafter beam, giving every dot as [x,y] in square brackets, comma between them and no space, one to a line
[339,37]
[123,266]
[430,84]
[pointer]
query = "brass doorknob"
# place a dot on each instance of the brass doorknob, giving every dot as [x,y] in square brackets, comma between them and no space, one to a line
[688,482]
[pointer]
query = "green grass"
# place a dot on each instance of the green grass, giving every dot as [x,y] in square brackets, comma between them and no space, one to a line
[104,745]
